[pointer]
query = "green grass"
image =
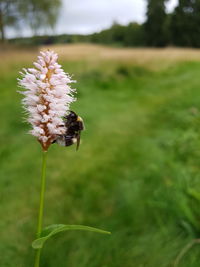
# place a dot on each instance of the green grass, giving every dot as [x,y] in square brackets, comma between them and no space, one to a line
[137,173]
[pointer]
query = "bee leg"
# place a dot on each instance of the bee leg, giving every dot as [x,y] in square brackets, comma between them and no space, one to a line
[78,138]
[69,140]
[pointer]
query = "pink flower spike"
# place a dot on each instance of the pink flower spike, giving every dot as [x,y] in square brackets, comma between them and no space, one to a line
[47,97]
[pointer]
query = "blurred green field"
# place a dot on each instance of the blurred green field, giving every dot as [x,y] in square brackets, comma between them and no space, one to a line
[137,173]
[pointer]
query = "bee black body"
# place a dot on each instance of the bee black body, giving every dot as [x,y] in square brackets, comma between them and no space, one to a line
[74,125]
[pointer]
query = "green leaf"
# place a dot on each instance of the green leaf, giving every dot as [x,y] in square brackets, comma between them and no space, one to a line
[57,228]
[193,193]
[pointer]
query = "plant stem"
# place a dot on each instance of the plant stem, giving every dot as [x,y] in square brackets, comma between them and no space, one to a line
[41,207]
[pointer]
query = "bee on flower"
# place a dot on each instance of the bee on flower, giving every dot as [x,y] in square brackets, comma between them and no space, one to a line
[47,98]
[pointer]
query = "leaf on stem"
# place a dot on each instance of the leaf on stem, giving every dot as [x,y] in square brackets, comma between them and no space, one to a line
[57,228]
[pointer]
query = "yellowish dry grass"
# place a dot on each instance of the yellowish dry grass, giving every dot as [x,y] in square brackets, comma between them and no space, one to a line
[16,54]
[12,57]
[150,57]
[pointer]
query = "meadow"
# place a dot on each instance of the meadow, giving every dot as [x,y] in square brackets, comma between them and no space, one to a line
[137,173]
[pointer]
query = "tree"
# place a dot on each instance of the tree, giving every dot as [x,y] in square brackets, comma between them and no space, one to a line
[8,15]
[155,26]
[185,22]
[134,35]
[36,13]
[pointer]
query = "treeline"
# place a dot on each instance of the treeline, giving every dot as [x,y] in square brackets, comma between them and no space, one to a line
[35,14]
[130,35]
[179,28]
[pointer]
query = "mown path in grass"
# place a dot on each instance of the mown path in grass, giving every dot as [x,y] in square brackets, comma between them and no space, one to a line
[136,174]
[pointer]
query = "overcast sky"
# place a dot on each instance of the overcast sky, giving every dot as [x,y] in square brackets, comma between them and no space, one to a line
[88,16]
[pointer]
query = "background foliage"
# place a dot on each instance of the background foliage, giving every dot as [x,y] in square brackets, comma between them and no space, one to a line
[179,28]
[35,13]
[136,173]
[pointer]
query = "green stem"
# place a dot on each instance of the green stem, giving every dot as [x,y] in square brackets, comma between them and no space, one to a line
[41,207]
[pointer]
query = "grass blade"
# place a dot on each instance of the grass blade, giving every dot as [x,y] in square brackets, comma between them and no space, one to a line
[57,228]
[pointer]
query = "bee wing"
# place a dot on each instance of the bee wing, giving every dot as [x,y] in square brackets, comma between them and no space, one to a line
[78,140]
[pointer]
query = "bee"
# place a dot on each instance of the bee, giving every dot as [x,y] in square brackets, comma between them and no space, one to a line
[74,125]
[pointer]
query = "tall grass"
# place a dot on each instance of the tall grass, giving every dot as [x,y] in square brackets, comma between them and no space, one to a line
[136,173]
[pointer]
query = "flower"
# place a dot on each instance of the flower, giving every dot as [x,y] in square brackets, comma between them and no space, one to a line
[47,96]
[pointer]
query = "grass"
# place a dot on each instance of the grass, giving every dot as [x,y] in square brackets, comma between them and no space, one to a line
[136,174]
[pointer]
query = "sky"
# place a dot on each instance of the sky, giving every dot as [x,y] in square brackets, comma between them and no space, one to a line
[89,16]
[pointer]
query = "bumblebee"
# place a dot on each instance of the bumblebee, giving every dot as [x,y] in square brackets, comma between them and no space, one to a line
[74,125]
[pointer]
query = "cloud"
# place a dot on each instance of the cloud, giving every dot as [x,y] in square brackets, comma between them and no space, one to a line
[86,16]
